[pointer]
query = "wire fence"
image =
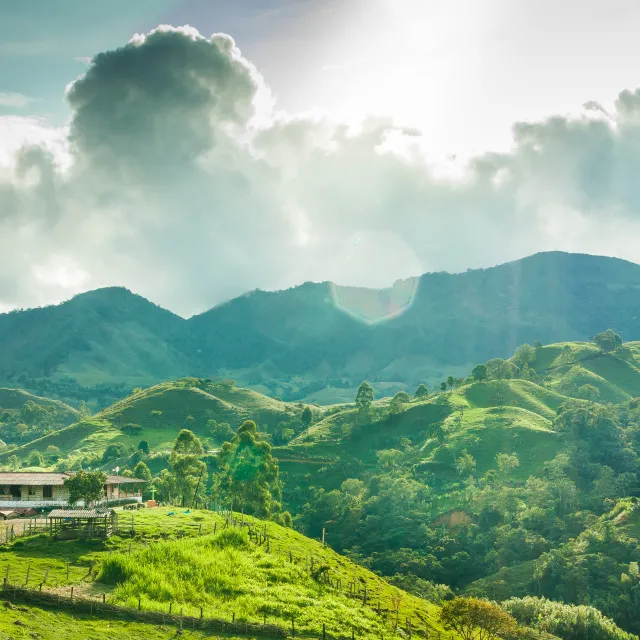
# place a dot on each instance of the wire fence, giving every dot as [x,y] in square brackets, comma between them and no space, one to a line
[388,609]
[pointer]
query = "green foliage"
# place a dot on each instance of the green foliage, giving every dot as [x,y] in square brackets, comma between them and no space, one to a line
[187,443]
[479,372]
[524,355]
[607,341]
[114,451]
[569,622]
[87,486]
[422,391]
[499,369]
[143,446]
[306,417]
[476,619]
[221,431]
[36,459]
[398,400]
[364,398]
[248,474]
[142,472]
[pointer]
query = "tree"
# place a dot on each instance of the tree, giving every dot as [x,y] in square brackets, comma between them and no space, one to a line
[187,443]
[507,462]
[141,471]
[607,341]
[143,446]
[364,398]
[451,381]
[499,369]
[443,386]
[306,417]
[248,475]
[589,392]
[87,486]
[476,619]
[524,354]
[465,464]
[13,462]
[221,431]
[479,372]
[422,391]
[83,410]
[115,450]
[36,459]
[398,400]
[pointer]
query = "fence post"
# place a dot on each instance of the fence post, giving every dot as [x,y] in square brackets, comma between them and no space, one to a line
[170,607]
[46,575]
[104,598]
[26,582]
[201,614]
[180,619]
[71,595]
[139,603]
[293,627]
[67,571]
[324,631]
[215,526]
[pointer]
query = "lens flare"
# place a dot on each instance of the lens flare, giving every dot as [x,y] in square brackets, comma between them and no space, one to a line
[372,306]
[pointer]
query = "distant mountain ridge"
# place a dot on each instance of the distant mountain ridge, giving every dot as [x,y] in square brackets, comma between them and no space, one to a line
[289,338]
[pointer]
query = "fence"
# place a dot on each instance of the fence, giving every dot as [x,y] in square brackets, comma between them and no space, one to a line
[259,535]
[26,527]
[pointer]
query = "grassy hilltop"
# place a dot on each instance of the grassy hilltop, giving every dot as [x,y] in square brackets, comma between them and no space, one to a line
[179,559]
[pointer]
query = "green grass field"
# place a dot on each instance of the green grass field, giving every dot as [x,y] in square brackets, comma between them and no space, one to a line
[27,623]
[179,559]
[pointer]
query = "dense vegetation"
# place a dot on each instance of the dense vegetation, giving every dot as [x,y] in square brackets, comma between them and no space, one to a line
[519,479]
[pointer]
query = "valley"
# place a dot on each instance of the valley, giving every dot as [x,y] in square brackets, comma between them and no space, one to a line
[518,480]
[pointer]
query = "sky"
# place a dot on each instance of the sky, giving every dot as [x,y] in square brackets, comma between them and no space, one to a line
[195,150]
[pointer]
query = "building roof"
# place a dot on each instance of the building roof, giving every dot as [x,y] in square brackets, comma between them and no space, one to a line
[37,478]
[80,513]
[123,480]
[33,478]
[8,512]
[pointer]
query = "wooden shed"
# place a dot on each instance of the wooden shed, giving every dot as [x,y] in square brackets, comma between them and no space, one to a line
[67,524]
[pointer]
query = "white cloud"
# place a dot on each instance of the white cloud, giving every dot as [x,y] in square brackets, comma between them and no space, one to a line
[177,178]
[16,100]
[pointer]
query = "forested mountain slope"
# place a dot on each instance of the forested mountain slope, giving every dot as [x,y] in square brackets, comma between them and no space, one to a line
[316,337]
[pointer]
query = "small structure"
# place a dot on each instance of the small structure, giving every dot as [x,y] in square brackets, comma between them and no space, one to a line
[69,524]
[7,514]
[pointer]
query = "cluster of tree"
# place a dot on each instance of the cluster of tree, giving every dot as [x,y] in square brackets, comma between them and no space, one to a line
[568,622]
[244,475]
[100,395]
[32,421]
[385,519]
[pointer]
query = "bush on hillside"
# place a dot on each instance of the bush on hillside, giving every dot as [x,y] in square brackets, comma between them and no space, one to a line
[569,622]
